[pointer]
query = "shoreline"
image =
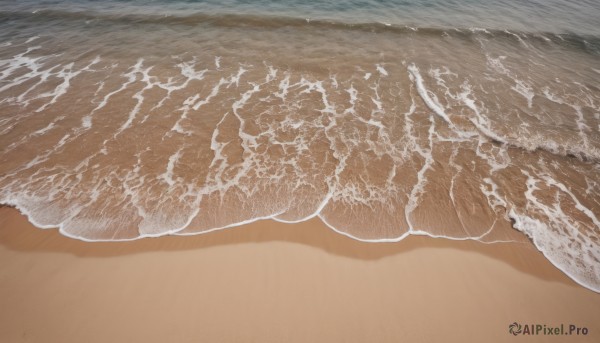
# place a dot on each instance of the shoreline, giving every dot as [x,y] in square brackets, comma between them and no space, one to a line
[524,242]
[267,281]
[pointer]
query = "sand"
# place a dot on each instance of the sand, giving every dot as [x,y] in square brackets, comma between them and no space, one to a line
[273,282]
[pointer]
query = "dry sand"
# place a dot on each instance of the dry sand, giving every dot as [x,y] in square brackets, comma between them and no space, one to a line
[272,282]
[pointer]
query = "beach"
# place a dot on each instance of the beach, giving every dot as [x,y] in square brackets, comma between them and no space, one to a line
[273,282]
[292,171]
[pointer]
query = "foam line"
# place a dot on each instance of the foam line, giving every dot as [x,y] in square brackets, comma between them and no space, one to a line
[424,93]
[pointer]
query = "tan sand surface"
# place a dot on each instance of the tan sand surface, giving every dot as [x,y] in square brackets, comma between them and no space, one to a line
[273,282]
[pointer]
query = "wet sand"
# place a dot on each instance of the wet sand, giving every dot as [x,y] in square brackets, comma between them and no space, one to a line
[273,282]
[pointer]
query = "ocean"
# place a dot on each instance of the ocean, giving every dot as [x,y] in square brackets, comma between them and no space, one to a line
[454,119]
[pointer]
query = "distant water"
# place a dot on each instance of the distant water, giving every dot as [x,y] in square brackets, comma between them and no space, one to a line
[457,119]
[556,16]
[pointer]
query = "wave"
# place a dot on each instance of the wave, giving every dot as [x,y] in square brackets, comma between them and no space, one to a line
[249,21]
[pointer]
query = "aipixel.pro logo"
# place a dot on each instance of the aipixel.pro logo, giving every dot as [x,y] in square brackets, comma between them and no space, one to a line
[546,330]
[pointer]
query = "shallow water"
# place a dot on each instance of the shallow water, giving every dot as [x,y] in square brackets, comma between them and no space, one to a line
[120,120]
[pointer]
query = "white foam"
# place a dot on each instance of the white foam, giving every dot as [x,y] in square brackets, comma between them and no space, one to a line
[419,187]
[283,87]
[271,75]
[139,97]
[493,197]
[334,82]
[381,70]
[167,176]
[479,29]
[559,237]
[559,250]
[497,65]
[236,79]
[430,100]
[480,121]
[518,38]
[525,90]
[66,73]
[31,39]
[185,109]
[580,121]
[353,97]
[213,93]
[131,78]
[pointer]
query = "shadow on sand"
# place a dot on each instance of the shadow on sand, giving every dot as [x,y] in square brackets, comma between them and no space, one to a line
[17,234]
